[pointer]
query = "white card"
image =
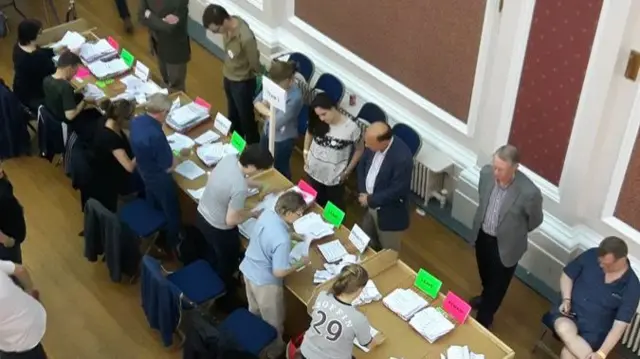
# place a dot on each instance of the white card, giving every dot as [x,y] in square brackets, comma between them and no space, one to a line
[222,124]
[359,238]
[141,71]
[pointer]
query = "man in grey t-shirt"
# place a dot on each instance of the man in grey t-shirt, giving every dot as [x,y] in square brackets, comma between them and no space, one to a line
[334,326]
[221,208]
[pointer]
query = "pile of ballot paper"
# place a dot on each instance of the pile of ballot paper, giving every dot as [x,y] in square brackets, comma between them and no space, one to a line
[431,324]
[211,153]
[405,302]
[108,69]
[93,92]
[179,142]
[246,227]
[187,116]
[333,269]
[138,89]
[368,295]
[92,51]
[459,352]
[312,226]
[71,40]
[333,251]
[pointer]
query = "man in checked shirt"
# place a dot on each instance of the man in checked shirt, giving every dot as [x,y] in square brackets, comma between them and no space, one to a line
[510,206]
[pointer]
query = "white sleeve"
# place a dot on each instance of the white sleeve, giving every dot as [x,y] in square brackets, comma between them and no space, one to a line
[7,267]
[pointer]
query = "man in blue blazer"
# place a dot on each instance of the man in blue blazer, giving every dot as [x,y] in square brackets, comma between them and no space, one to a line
[384,181]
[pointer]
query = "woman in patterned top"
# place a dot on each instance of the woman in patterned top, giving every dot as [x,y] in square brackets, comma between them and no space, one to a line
[332,148]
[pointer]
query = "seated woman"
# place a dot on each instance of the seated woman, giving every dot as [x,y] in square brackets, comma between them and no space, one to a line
[113,162]
[31,64]
[335,323]
[286,123]
[64,103]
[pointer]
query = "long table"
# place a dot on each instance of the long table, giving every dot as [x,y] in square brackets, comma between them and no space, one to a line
[385,268]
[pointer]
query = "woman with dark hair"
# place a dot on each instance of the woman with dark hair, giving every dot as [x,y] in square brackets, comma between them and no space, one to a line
[113,161]
[332,148]
[31,64]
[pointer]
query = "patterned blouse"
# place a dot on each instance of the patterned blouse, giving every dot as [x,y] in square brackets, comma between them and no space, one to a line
[329,154]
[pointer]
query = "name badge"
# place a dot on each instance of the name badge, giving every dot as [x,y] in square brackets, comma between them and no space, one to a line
[230,53]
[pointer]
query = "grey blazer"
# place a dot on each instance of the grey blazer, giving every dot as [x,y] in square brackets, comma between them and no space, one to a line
[520,213]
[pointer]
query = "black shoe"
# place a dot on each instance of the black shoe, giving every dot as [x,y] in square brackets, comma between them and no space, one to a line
[81,234]
[475,302]
[128,26]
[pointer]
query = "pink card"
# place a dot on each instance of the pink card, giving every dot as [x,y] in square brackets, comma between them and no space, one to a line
[82,72]
[305,187]
[202,103]
[113,43]
[456,307]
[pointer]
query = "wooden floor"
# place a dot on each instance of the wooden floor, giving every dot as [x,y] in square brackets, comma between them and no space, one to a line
[90,317]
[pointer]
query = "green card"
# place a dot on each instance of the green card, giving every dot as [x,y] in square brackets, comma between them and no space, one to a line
[238,142]
[427,283]
[333,214]
[101,84]
[127,57]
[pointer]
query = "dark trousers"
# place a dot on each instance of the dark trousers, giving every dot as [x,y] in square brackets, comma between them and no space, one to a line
[335,194]
[13,254]
[123,9]
[163,195]
[36,353]
[282,159]
[223,250]
[173,75]
[495,277]
[240,96]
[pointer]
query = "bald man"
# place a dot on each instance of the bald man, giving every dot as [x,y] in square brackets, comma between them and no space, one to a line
[384,181]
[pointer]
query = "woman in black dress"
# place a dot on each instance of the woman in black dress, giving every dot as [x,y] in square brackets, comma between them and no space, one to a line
[113,161]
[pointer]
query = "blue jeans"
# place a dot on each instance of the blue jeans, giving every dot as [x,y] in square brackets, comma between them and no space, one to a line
[162,193]
[282,159]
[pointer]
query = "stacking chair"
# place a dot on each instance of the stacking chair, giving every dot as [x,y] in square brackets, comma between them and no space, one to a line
[332,86]
[306,68]
[143,219]
[547,327]
[409,136]
[370,112]
[250,332]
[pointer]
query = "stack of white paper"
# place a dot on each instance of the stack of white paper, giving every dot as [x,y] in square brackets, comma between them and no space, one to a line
[431,324]
[246,227]
[71,40]
[106,69]
[333,269]
[373,332]
[299,250]
[368,295]
[196,193]
[212,153]
[93,92]
[189,170]
[207,137]
[178,141]
[187,116]
[404,302]
[90,52]
[461,352]
[333,251]
[312,226]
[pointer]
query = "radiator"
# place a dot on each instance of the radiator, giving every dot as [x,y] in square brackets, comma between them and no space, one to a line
[631,337]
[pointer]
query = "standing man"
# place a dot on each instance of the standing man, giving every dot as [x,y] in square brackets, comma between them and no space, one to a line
[510,206]
[13,228]
[23,319]
[241,66]
[167,22]
[384,183]
[156,162]
[123,12]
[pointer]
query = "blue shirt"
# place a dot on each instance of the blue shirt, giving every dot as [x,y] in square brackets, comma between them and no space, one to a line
[597,304]
[268,250]
[286,122]
[150,147]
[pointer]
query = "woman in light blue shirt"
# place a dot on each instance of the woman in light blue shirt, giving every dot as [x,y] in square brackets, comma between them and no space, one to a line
[282,73]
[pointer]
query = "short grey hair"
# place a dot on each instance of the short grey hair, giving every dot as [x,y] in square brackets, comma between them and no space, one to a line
[508,153]
[157,103]
[289,202]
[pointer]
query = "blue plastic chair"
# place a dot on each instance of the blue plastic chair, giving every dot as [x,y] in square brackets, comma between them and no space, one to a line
[197,282]
[370,112]
[142,217]
[409,136]
[250,332]
[547,326]
[303,120]
[332,86]
[306,68]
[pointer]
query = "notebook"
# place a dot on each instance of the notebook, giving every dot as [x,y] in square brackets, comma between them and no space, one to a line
[431,324]
[404,302]
[332,251]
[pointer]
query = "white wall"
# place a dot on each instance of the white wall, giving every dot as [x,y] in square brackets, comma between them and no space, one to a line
[578,212]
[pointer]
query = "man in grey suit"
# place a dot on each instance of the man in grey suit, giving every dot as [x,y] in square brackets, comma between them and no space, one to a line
[167,22]
[510,206]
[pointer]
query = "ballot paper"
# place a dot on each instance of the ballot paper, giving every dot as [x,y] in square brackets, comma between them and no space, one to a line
[92,51]
[431,324]
[368,295]
[189,170]
[373,331]
[93,92]
[299,250]
[71,40]
[178,141]
[404,302]
[246,227]
[105,69]
[332,251]
[333,269]
[461,352]
[312,226]
[187,116]
[207,137]
[196,193]
[359,238]
[212,153]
